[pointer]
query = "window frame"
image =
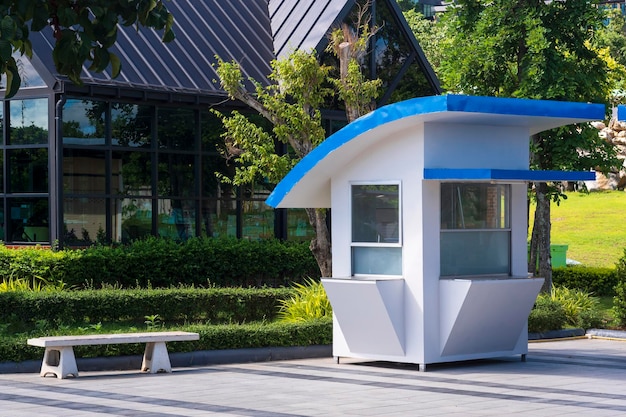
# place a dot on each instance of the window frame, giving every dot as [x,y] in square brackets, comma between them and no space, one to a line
[507,229]
[373,245]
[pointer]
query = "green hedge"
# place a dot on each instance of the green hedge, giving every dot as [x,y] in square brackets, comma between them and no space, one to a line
[164,263]
[254,335]
[598,281]
[215,305]
[619,301]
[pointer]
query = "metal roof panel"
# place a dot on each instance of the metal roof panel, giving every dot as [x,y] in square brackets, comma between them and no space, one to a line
[204,29]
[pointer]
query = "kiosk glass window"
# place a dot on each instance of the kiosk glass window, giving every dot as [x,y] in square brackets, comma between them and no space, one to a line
[475,229]
[376,237]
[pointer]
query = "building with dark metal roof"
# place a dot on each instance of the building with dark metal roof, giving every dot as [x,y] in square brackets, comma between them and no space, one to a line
[117,159]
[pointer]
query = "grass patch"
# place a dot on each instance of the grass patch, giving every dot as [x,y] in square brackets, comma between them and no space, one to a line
[591,225]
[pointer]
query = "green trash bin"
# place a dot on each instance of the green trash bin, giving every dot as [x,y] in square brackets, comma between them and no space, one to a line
[559,255]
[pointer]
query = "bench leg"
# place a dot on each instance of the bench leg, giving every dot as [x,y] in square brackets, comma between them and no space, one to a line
[59,361]
[155,358]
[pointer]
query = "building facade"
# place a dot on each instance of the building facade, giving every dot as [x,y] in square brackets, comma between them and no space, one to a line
[114,160]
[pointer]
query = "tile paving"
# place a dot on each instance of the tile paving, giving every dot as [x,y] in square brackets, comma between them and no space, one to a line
[581,377]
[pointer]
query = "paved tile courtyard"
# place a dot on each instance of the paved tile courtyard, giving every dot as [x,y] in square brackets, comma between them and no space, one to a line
[581,377]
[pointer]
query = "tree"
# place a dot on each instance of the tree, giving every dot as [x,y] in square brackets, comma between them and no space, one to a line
[431,35]
[540,50]
[292,104]
[83,32]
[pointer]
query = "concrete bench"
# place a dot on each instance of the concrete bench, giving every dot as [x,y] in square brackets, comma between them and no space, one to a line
[59,359]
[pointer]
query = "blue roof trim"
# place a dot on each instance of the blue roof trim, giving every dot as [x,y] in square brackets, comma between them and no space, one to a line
[506,175]
[525,107]
[433,104]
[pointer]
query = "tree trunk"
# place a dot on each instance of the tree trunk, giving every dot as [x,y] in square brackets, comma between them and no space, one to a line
[320,244]
[540,243]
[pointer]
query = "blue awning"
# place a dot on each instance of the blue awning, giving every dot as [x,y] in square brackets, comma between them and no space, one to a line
[459,174]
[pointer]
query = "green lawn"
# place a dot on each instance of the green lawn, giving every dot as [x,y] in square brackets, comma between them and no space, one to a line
[592,225]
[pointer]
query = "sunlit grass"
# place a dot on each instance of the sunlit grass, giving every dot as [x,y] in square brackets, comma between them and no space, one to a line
[592,225]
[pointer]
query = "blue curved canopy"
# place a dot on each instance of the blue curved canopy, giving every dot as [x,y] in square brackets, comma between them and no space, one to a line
[308,183]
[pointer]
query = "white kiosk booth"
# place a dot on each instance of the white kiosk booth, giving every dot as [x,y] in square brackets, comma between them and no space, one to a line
[429,230]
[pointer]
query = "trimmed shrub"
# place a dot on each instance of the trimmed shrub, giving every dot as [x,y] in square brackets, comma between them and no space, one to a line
[253,335]
[594,280]
[547,314]
[619,301]
[577,305]
[156,262]
[214,305]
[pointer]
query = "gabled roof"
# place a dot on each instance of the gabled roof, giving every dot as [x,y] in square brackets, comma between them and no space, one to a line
[308,183]
[251,32]
[238,30]
[303,24]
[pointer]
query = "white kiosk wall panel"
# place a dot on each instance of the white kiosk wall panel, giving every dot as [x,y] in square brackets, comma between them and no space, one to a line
[396,159]
[455,145]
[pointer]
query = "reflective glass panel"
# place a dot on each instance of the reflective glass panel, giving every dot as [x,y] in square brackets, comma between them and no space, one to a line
[84,221]
[30,78]
[131,219]
[131,173]
[258,220]
[177,219]
[177,128]
[475,253]
[29,122]
[176,175]
[377,260]
[84,122]
[210,165]
[376,213]
[131,125]
[84,171]
[211,132]
[391,52]
[475,206]
[1,175]
[298,226]
[2,224]
[28,170]
[28,220]
[475,229]
[219,216]
[219,219]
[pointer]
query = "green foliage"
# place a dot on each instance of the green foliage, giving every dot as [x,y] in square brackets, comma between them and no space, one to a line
[291,104]
[431,35]
[536,50]
[164,263]
[83,32]
[140,306]
[308,302]
[586,223]
[619,302]
[574,302]
[13,348]
[595,280]
[564,306]
[547,314]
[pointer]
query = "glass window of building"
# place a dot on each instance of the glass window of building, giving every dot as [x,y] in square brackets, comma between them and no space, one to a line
[475,229]
[131,125]
[376,229]
[28,220]
[84,122]
[28,122]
